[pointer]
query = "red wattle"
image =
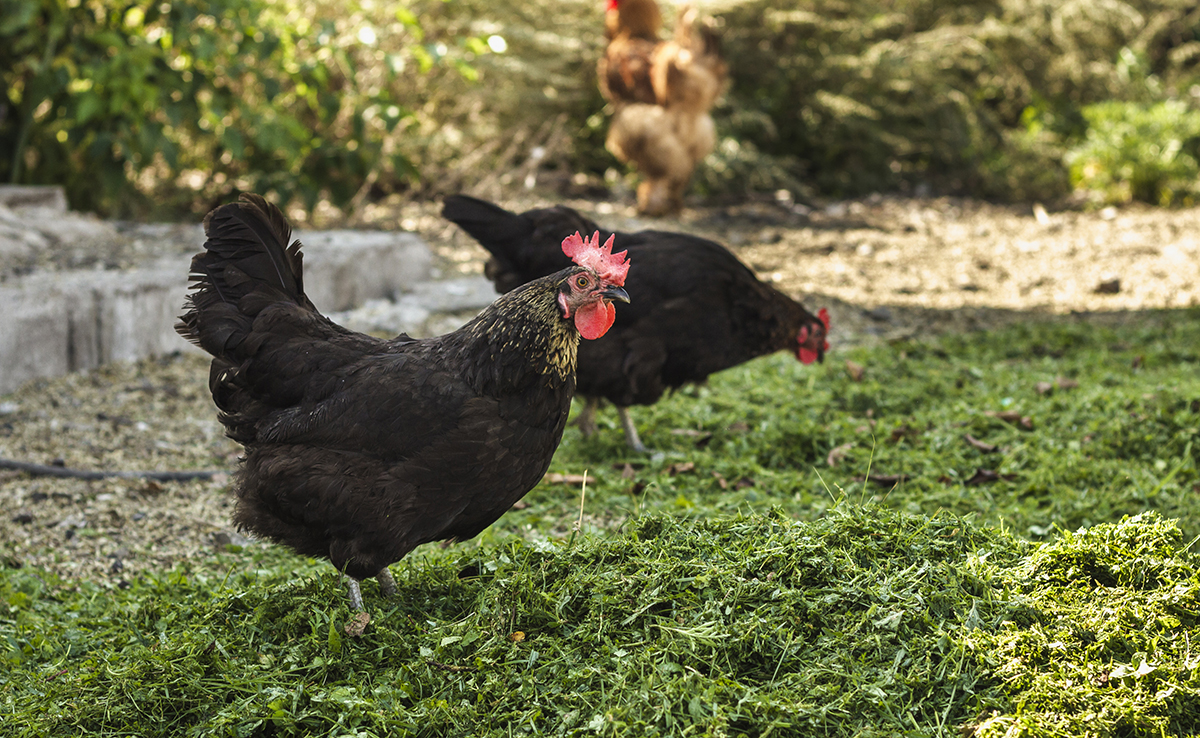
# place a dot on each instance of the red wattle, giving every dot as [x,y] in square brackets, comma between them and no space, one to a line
[594,320]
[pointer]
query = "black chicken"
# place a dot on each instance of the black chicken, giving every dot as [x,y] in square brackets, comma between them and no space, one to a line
[359,449]
[695,309]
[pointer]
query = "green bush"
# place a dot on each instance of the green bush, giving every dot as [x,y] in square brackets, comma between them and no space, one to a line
[210,96]
[1139,152]
[953,96]
[180,104]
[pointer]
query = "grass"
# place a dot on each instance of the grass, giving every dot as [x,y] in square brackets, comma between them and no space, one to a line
[1126,439]
[1058,599]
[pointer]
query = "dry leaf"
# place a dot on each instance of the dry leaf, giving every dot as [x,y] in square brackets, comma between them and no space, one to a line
[743,483]
[987,448]
[904,431]
[519,505]
[855,370]
[634,465]
[681,467]
[720,480]
[1040,214]
[702,437]
[739,427]
[884,480]
[358,624]
[627,471]
[1012,416]
[987,476]
[1061,383]
[637,488]
[556,478]
[517,637]
[838,453]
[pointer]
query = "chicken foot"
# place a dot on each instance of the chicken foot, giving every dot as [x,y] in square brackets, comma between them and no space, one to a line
[386,584]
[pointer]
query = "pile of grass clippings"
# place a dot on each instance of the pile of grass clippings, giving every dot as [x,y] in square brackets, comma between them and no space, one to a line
[807,551]
[866,622]
[1039,427]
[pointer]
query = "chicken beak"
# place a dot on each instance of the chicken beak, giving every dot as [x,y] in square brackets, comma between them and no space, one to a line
[615,293]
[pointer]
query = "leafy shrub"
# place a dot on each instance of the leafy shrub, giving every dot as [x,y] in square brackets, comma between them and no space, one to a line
[952,96]
[1140,152]
[303,101]
[184,102]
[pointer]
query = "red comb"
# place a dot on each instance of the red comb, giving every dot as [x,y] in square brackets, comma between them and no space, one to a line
[600,259]
[613,4]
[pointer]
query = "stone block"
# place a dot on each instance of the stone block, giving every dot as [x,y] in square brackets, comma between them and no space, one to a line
[43,197]
[346,268]
[33,337]
[137,310]
[55,322]
[455,295]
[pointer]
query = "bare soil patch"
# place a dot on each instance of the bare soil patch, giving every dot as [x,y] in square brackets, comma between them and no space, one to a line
[892,266]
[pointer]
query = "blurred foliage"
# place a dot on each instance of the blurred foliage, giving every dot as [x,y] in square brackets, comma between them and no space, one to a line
[1138,152]
[179,104]
[201,97]
[880,95]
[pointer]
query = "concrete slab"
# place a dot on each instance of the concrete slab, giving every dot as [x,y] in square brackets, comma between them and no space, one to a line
[50,197]
[34,336]
[55,322]
[343,269]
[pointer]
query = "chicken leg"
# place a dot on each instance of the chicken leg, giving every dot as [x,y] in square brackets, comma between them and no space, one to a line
[587,417]
[631,434]
[355,592]
[386,584]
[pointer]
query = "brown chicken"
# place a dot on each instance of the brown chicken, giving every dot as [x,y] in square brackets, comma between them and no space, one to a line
[661,92]
[695,309]
[359,449]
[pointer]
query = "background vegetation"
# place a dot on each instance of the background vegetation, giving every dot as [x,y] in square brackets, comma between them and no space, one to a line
[169,106]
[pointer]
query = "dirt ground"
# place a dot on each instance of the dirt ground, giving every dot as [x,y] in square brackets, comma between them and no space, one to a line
[886,267]
[891,266]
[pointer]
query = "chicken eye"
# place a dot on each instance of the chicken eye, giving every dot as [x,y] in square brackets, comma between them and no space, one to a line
[581,281]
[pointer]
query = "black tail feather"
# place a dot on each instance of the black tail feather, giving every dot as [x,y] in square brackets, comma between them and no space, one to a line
[499,231]
[248,263]
[524,246]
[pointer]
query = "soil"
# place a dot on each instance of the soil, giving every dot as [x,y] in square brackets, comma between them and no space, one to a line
[885,267]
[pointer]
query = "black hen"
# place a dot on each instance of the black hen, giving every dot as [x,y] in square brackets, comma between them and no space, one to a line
[359,449]
[695,309]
